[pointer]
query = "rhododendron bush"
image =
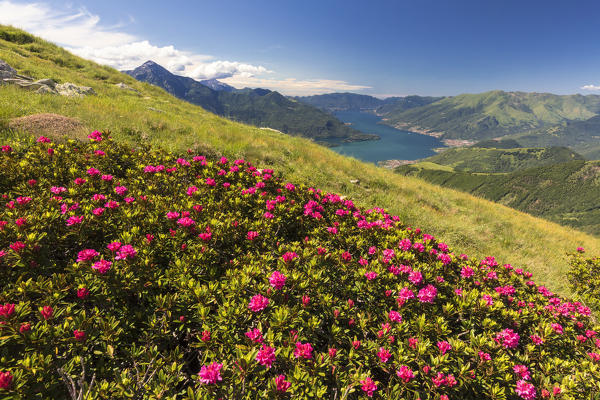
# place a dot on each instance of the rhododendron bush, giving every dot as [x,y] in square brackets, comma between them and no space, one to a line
[140,274]
[585,278]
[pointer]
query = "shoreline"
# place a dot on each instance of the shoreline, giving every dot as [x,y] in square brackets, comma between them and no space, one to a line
[428,132]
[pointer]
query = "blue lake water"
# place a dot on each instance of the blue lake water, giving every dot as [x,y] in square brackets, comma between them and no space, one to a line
[395,144]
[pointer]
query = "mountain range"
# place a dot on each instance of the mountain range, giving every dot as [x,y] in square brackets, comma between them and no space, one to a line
[259,107]
[532,119]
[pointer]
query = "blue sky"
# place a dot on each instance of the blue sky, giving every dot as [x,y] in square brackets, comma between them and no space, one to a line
[372,47]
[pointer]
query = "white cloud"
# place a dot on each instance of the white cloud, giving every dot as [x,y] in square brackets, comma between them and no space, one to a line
[82,33]
[295,87]
[591,87]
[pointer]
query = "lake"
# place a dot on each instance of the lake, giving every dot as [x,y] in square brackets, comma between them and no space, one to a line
[395,144]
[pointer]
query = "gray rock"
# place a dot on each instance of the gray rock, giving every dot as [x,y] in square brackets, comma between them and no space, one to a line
[355,181]
[47,82]
[6,71]
[46,90]
[72,90]
[124,86]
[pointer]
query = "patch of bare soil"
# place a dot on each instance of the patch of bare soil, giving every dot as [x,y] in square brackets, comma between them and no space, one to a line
[54,126]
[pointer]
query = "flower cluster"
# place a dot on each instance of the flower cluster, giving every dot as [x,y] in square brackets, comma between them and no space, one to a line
[182,276]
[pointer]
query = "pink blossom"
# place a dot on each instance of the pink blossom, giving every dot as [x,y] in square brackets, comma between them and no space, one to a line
[7,310]
[251,235]
[281,384]
[404,245]
[102,266]
[484,356]
[74,220]
[444,346]
[258,303]
[368,386]
[525,390]
[395,316]
[405,373]
[427,294]
[210,374]
[303,350]
[266,356]
[172,215]
[371,275]
[289,256]
[107,178]
[120,190]
[508,338]
[415,277]
[114,246]
[93,171]
[383,354]
[87,255]
[536,339]
[255,335]
[277,280]
[466,272]
[95,136]
[125,252]
[557,328]
[522,371]
[186,222]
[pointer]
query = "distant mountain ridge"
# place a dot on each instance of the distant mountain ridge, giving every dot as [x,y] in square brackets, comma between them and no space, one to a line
[260,107]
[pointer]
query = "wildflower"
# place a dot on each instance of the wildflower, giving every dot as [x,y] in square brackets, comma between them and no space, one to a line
[74,220]
[95,136]
[277,280]
[466,272]
[17,246]
[415,277]
[356,344]
[102,266]
[82,293]
[126,251]
[536,339]
[266,356]
[107,178]
[210,374]
[93,171]
[258,303]
[508,338]
[25,327]
[289,256]
[79,335]
[6,379]
[368,386]
[484,356]
[114,246]
[371,275]
[383,354]
[405,373]
[7,310]
[305,300]
[557,328]
[186,222]
[46,312]
[522,371]
[87,255]
[303,350]
[281,384]
[525,390]
[395,316]
[251,235]
[427,294]
[332,352]
[205,336]
[255,335]
[444,346]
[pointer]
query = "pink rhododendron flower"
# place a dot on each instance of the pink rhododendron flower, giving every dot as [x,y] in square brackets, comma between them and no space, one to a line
[405,245]
[102,266]
[281,384]
[95,136]
[7,310]
[79,335]
[371,275]
[277,280]
[332,352]
[126,251]
[427,294]
[251,235]
[303,350]
[415,277]
[186,222]
[6,379]
[395,316]
[444,346]
[484,356]
[255,335]
[557,328]
[266,356]
[383,354]
[210,374]
[508,338]
[536,339]
[87,255]
[522,371]
[17,246]
[525,390]
[258,303]
[93,171]
[289,256]
[368,386]
[405,373]
[82,293]
[46,312]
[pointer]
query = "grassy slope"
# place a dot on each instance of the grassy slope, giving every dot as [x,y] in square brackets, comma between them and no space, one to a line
[472,225]
[497,113]
[472,159]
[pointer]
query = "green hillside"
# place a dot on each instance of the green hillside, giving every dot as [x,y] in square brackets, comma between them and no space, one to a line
[472,159]
[582,136]
[496,113]
[566,193]
[478,227]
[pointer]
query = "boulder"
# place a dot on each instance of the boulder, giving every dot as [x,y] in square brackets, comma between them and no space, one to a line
[46,90]
[6,71]
[124,86]
[47,82]
[72,90]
